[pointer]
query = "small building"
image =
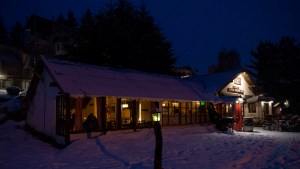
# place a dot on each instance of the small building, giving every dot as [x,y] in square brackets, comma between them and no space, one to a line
[13,71]
[69,101]
[234,95]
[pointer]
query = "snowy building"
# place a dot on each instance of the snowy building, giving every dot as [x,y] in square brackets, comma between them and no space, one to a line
[13,69]
[70,101]
[235,96]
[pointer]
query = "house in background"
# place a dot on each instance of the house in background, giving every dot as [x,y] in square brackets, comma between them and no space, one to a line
[13,72]
[68,100]
[41,36]
[234,95]
[47,37]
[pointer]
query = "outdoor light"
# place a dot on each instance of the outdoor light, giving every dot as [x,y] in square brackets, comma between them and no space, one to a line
[241,100]
[125,105]
[3,77]
[286,103]
[175,104]
[156,114]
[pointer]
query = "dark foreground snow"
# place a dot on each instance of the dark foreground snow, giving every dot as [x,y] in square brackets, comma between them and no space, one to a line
[185,147]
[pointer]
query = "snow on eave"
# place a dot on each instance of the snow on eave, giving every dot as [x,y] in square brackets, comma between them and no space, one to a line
[214,83]
[79,80]
[44,61]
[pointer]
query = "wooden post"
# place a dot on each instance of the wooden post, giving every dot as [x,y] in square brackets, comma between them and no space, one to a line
[103,114]
[99,111]
[179,114]
[158,145]
[78,114]
[68,118]
[119,115]
[134,115]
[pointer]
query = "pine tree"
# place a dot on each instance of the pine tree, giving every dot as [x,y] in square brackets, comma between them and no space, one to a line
[16,35]
[227,60]
[275,67]
[4,38]
[71,20]
[88,40]
[61,19]
[125,36]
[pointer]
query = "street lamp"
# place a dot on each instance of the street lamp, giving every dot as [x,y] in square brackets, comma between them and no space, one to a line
[156,115]
[158,138]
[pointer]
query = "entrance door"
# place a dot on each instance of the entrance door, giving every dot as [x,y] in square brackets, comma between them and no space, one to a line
[63,116]
[238,117]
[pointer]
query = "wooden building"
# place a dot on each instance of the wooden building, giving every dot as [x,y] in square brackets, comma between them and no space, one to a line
[70,101]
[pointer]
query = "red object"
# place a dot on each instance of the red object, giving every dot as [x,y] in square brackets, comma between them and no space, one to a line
[238,117]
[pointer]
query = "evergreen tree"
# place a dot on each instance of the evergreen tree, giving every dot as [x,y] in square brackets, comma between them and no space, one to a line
[125,36]
[275,67]
[61,19]
[87,43]
[16,35]
[227,60]
[4,38]
[71,20]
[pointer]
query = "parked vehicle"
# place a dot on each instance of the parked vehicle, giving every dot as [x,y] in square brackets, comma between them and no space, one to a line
[4,99]
[11,105]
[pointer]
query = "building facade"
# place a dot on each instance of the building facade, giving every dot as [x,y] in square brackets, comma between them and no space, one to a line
[13,71]
[235,96]
[69,100]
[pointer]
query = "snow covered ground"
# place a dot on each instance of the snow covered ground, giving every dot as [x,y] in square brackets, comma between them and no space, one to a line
[185,147]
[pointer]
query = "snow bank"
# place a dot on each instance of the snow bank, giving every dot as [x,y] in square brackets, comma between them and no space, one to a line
[184,147]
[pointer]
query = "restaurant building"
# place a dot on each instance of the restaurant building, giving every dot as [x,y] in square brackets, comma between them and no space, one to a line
[235,96]
[70,101]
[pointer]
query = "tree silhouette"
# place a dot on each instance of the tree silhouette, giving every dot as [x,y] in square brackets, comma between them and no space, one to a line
[16,35]
[89,47]
[4,37]
[122,35]
[71,20]
[227,60]
[61,19]
[275,67]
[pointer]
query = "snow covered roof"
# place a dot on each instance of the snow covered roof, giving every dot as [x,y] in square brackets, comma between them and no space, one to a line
[213,83]
[79,79]
[259,98]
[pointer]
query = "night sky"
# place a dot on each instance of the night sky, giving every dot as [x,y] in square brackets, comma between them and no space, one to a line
[198,29]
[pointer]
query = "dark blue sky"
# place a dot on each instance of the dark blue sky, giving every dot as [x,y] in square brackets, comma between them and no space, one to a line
[197,29]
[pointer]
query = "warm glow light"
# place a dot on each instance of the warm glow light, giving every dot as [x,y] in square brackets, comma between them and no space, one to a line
[2,76]
[175,104]
[156,116]
[163,104]
[125,105]
[240,100]
[286,103]
[140,112]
